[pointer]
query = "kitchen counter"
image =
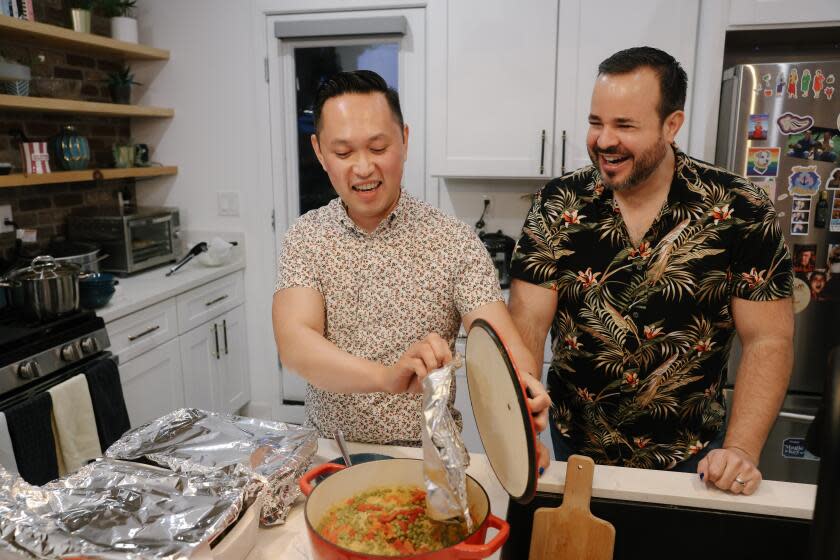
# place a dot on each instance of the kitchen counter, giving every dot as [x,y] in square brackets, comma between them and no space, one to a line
[290,541]
[144,289]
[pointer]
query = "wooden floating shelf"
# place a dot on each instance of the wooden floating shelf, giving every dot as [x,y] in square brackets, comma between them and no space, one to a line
[21,180]
[56,36]
[50,105]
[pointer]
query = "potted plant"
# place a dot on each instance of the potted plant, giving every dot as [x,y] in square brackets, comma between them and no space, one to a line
[123,25]
[80,15]
[119,84]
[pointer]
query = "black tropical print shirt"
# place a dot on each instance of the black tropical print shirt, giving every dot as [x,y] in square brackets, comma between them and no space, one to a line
[641,336]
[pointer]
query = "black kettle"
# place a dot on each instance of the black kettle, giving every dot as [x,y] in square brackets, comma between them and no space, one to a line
[500,247]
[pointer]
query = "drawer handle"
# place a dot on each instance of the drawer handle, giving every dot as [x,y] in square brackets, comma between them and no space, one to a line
[795,416]
[216,336]
[224,330]
[217,300]
[133,337]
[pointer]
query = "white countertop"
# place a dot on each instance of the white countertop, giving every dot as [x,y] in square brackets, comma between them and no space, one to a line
[141,290]
[290,541]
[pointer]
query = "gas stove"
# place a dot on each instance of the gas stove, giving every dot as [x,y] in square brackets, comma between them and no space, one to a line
[33,352]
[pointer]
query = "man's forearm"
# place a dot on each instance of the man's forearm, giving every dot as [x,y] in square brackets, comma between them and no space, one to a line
[760,386]
[324,365]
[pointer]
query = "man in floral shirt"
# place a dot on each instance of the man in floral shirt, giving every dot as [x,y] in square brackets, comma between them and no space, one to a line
[644,265]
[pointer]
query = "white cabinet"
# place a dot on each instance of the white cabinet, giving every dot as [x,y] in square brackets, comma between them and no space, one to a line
[503,72]
[593,30]
[215,363]
[491,87]
[151,383]
[783,12]
[188,350]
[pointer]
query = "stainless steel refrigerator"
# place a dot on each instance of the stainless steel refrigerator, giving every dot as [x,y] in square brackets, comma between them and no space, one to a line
[779,126]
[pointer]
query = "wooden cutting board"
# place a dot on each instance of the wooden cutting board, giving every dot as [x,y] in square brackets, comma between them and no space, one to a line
[571,531]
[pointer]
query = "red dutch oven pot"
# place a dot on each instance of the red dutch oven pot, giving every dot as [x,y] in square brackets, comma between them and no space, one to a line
[498,399]
[346,482]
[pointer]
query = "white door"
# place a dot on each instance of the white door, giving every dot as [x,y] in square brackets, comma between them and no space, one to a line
[235,385]
[152,383]
[491,87]
[201,363]
[294,69]
[603,27]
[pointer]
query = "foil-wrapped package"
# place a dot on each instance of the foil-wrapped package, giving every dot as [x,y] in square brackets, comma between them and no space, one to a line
[275,455]
[112,509]
[445,459]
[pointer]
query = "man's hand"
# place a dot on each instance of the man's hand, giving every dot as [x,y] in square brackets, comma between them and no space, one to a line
[421,358]
[730,469]
[538,401]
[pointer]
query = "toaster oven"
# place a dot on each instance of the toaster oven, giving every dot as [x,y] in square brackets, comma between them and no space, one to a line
[134,240]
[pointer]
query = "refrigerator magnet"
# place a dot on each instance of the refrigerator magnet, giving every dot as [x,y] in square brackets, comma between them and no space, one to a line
[801,204]
[805,82]
[758,127]
[819,82]
[767,184]
[804,180]
[793,80]
[833,183]
[804,258]
[834,222]
[781,82]
[763,162]
[801,295]
[791,123]
[768,85]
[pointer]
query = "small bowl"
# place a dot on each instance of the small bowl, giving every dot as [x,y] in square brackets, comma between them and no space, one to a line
[5,168]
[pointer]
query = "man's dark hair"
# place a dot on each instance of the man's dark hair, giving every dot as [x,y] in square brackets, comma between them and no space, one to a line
[357,81]
[673,80]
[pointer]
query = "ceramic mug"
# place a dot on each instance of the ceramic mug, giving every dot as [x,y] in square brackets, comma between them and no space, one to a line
[124,155]
[141,155]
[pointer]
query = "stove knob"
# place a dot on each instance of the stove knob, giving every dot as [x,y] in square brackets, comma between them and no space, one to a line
[89,345]
[70,353]
[28,370]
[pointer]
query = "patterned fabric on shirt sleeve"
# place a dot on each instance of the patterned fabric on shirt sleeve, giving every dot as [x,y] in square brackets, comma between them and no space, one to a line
[477,282]
[535,257]
[298,256]
[762,269]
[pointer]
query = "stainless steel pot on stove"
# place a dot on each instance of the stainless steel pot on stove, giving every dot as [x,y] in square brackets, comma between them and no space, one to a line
[86,255]
[45,289]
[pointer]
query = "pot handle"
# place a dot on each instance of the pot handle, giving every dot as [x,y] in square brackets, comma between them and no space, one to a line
[313,473]
[484,550]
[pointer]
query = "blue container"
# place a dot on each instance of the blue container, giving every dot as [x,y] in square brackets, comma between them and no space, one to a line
[96,290]
[72,151]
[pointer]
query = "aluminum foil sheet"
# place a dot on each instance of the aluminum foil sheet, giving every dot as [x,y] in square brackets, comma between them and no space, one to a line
[275,455]
[116,510]
[445,459]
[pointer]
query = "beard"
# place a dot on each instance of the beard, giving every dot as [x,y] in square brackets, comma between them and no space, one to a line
[643,165]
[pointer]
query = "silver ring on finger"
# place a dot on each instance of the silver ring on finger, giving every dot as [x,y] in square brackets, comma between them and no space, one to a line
[741,482]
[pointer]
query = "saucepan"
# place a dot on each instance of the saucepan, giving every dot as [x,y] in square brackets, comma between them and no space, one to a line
[346,482]
[45,289]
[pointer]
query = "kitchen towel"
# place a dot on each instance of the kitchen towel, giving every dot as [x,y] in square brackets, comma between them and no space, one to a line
[32,439]
[105,387]
[74,418]
[7,452]
[62,468]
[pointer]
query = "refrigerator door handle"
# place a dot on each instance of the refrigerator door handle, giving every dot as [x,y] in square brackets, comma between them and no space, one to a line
[795,416]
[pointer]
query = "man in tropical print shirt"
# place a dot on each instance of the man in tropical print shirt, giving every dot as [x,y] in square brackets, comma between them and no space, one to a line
[644,265]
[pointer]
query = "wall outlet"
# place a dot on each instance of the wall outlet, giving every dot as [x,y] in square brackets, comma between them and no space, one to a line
[228,203]
[488,203]
[6,214]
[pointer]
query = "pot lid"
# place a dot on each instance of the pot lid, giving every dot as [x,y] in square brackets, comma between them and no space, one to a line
[45,268]
[501,413]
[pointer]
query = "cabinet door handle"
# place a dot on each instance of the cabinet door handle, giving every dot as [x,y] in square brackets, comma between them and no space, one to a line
[542,153]
[217,300]
[224,331]
[795,416]
[216,336]
[563,156]
[133,337]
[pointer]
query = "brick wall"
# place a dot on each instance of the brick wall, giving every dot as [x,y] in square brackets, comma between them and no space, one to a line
[58,72]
